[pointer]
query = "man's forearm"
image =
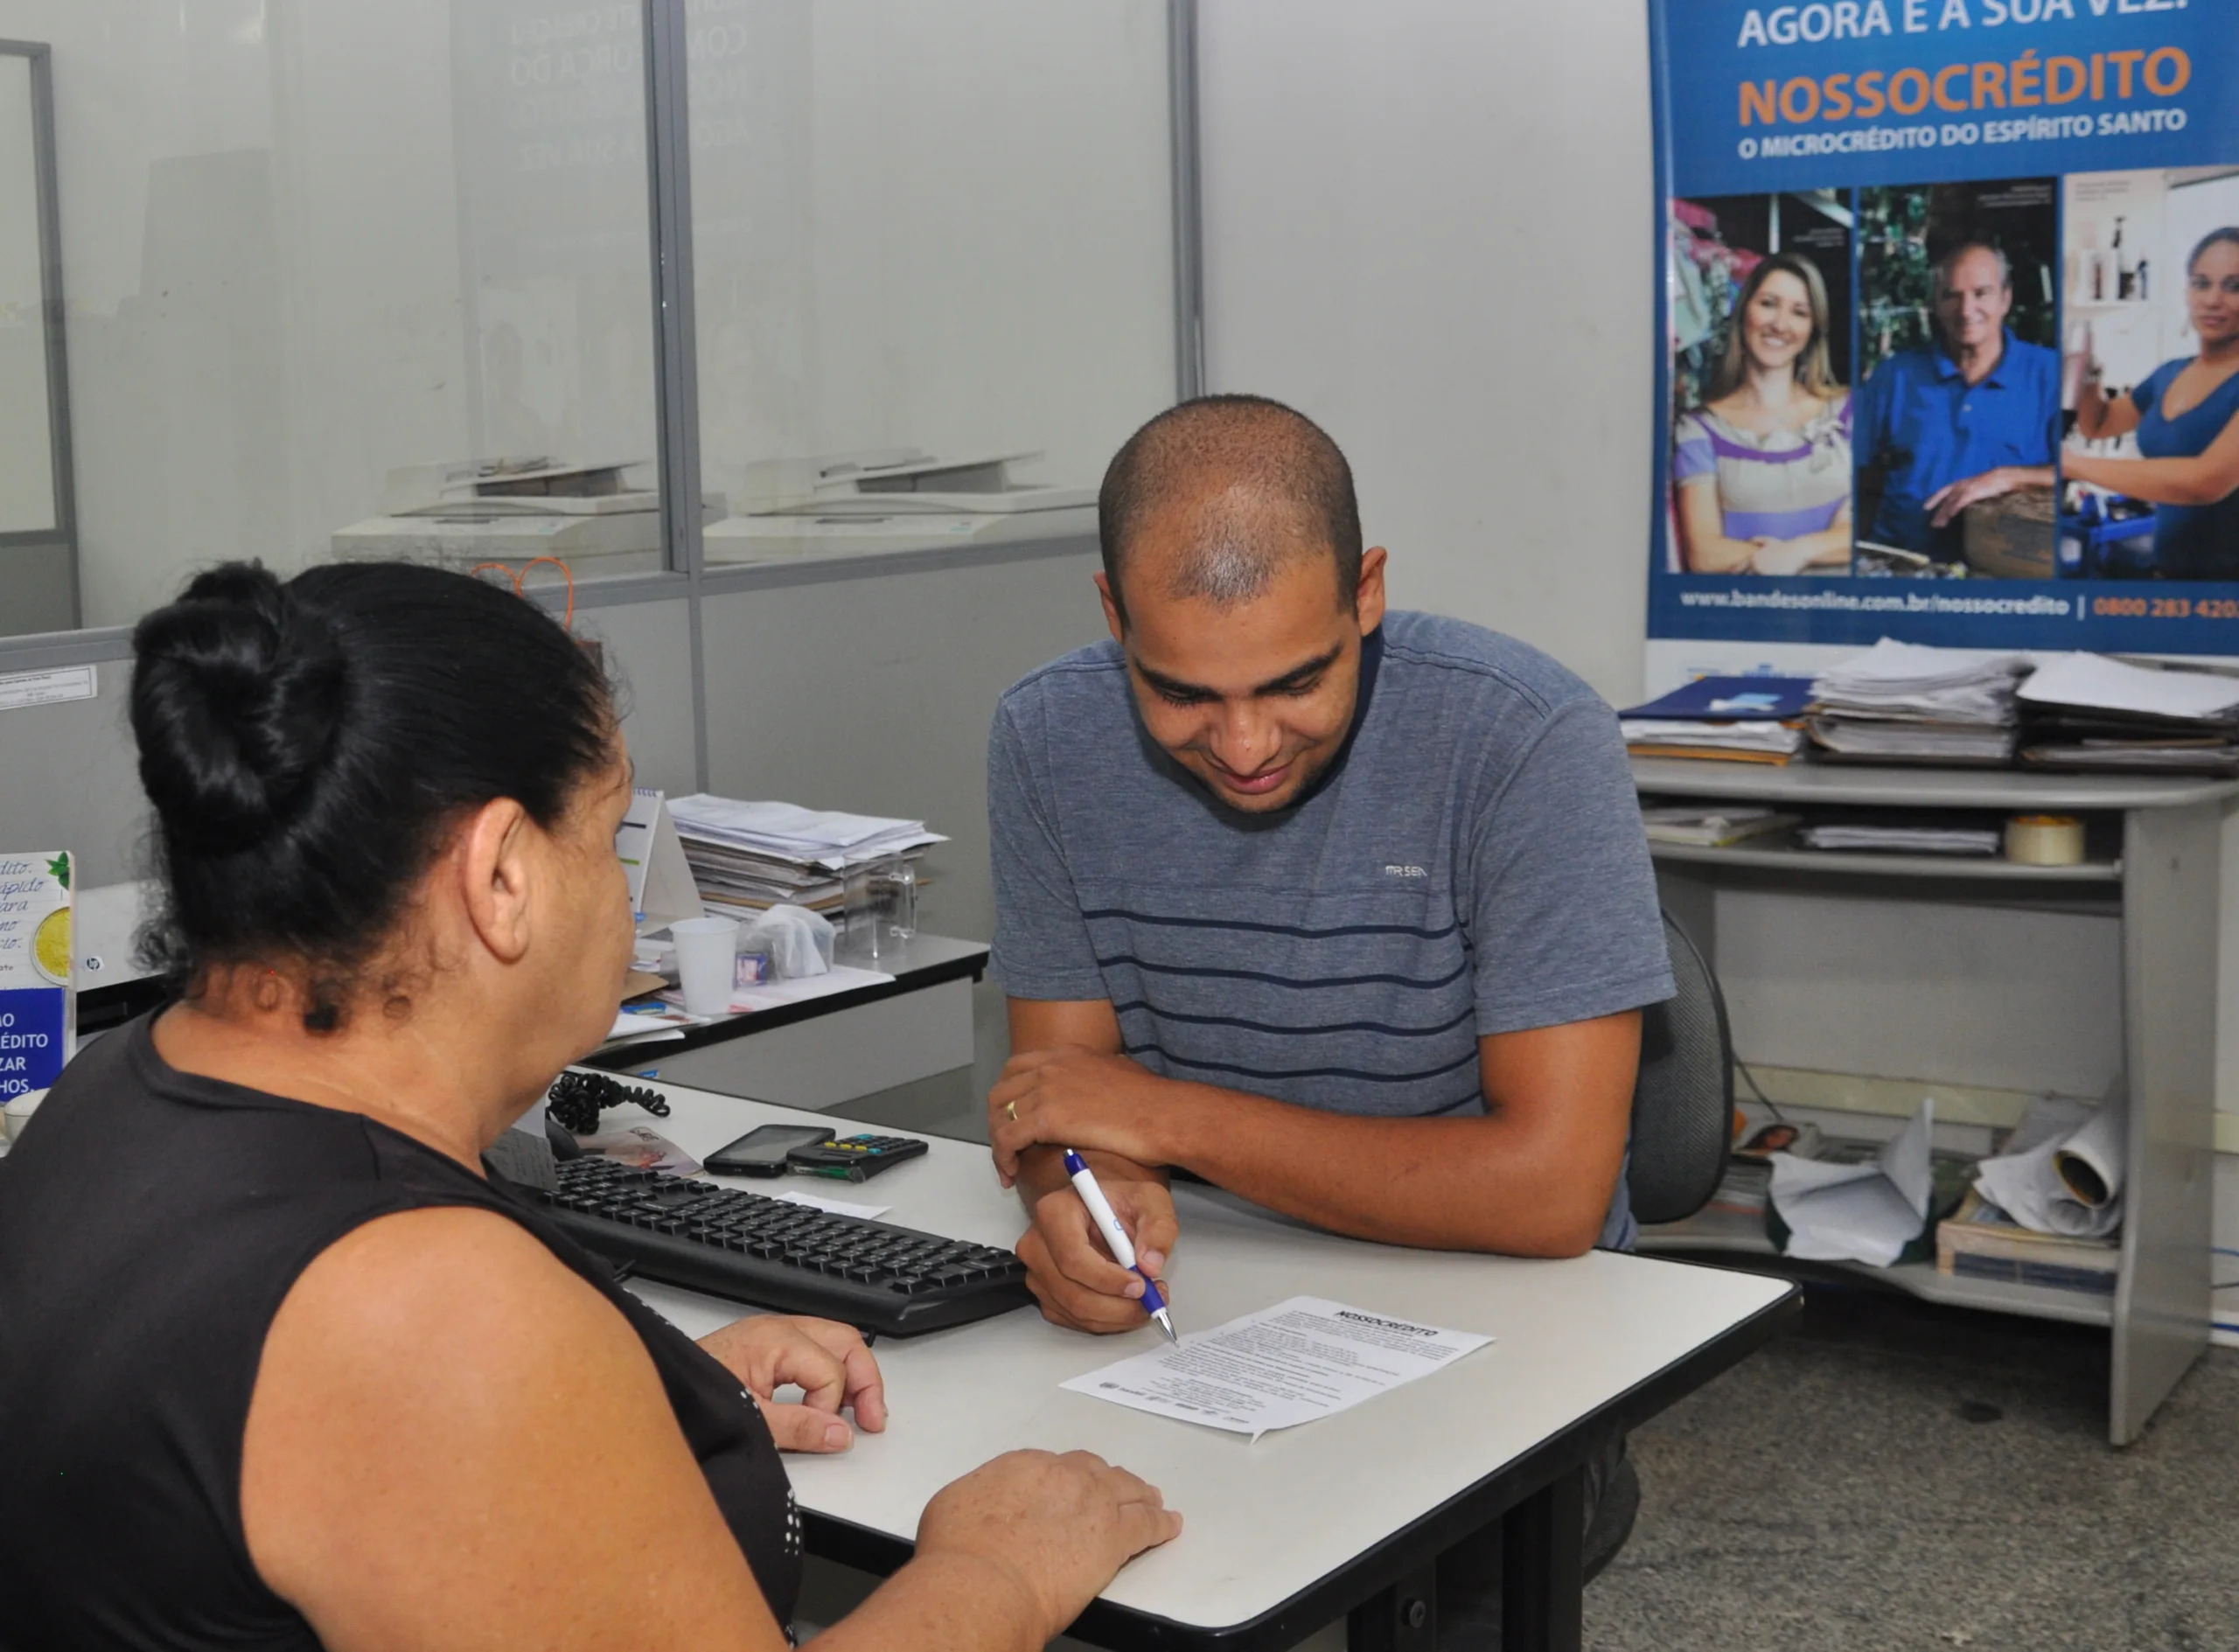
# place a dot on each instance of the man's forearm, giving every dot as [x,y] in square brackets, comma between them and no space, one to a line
[1460,1184]
[1042,1171]
[1532,1177]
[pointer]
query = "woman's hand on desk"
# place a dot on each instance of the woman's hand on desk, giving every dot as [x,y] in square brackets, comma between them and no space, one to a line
[826,1361]
[1060,1527]
[1009,1555]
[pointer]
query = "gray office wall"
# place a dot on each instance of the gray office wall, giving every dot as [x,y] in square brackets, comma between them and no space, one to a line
[649,652]
[874,695]
[2001,997]
[67,781]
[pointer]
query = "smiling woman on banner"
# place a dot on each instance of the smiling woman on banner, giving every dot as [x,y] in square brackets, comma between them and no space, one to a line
[2187,417]
[1762,469]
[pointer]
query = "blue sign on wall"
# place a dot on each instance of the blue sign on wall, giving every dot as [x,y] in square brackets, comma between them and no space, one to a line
[34,1038]
[1950,306]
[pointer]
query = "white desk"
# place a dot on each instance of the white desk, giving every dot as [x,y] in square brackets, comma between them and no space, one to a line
[1291,1533]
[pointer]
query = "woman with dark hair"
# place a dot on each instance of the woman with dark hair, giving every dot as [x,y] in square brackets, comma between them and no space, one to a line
[280,1367]
[2187,417]
[1762,469]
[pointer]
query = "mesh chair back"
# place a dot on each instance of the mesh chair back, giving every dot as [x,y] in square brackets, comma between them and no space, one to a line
[1683,1103]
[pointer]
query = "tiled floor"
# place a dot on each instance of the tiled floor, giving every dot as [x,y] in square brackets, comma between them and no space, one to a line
[1891,1475]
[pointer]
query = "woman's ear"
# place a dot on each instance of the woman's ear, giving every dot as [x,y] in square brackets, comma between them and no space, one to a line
[494,852]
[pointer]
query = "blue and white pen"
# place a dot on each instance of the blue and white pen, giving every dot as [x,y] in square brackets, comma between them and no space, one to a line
[1123,1248]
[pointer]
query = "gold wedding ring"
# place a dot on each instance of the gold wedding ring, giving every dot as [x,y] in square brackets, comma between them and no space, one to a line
[1010,1109]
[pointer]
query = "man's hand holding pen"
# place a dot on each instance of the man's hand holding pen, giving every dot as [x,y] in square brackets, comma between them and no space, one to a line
[1111,1104]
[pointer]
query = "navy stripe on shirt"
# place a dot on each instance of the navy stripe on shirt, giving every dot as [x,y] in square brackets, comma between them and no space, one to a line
[1459,971]
[1271,1027]
[1299,1072]
[1273,928]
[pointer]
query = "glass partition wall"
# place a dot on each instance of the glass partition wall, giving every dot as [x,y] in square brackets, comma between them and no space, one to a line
[335,273]
[934,264]
[349,278]
[38,570]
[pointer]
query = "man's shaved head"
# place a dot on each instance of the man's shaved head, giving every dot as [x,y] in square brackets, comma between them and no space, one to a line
[1250,484]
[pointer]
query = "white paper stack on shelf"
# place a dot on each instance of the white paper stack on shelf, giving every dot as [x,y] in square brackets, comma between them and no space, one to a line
[1901,703]
[2085,711]
[1668,736]
[1868,838]
[1912,742]
[1713,828]
[747,857]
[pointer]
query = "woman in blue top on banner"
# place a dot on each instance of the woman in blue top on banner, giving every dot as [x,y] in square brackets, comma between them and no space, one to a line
[2186,418]
[1762,469]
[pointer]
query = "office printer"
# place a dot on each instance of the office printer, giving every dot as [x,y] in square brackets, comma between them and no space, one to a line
[889,498]
[512,510]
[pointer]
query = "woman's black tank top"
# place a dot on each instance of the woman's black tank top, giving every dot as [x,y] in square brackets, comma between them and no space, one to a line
[152,1222]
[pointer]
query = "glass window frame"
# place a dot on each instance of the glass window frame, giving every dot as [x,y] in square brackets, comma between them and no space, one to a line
[38,61]
[685,575]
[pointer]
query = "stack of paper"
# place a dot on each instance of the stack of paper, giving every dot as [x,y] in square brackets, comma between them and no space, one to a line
[1699,828]
[1751,741]
[2085,711]
[1901,703]
[1864,837]
[1980,1241]
[1913,741]
[1909,681]
[1738,719]
[752,856]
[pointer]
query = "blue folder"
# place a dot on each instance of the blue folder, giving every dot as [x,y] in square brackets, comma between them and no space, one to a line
[1714,699]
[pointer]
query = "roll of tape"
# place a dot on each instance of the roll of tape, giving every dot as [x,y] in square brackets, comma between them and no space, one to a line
[2045,840]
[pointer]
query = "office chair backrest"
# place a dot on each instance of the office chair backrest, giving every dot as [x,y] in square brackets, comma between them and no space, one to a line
[1683,1102]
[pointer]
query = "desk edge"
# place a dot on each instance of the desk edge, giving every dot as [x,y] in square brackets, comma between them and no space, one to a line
[1330,1597]
[971,966]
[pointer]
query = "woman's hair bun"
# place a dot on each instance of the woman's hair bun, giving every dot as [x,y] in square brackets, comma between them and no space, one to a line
[237,695]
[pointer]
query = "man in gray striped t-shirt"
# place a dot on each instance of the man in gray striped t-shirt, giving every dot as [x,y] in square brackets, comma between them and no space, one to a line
[1349,913]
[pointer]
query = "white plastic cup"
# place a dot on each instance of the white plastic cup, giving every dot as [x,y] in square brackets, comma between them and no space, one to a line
[18,1113]
[707,949]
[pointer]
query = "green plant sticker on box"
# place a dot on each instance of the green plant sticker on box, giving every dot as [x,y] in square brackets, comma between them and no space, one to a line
[38,1005]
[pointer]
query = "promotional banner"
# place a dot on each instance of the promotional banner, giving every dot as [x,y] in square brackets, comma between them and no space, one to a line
[1950,307]
[39,1020]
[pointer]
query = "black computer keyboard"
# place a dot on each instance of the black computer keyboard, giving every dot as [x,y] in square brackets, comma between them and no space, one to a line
[752,1248]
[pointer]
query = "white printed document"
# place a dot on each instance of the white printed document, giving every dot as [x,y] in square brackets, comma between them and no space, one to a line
[1865,1213]
[1287,1364]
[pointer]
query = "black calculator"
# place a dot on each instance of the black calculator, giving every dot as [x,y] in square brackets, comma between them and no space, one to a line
[853,1157]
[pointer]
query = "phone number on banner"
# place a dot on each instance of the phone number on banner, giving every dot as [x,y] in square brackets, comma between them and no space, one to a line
[2167,607]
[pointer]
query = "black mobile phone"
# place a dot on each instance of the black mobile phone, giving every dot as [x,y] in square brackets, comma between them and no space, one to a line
[761,1153]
